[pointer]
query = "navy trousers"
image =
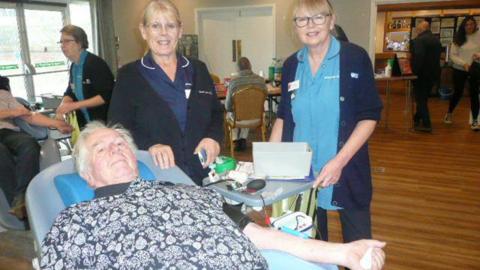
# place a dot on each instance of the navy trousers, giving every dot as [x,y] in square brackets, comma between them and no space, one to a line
[356,224]
[19,162]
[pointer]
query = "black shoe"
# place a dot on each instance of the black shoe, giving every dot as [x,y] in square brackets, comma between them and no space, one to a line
[240,145]
[423,128]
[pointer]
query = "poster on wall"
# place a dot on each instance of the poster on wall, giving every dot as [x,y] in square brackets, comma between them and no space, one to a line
[448,22]
[446,41]
[435,26]
[446,33]
[459,21]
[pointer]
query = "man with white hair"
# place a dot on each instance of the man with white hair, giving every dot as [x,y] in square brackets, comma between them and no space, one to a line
[136,224]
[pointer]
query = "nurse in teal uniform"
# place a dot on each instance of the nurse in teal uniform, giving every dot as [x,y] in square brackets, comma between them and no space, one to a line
[91,80]
[329,100]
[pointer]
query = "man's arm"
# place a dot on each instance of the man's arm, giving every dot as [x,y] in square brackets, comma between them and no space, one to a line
[347,255]
[44,121]
[12,113]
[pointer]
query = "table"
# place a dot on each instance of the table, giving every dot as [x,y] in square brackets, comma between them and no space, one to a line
[274,191]
[408,95]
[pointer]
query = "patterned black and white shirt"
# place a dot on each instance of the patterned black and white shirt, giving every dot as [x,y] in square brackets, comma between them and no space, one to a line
[152,225]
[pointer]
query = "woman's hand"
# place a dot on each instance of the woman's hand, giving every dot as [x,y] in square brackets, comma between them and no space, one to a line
[64,108]
[330,174]
[162,155]
[358,249]
[211,147]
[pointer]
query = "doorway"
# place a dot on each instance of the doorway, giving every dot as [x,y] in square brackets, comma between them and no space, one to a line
[225,34]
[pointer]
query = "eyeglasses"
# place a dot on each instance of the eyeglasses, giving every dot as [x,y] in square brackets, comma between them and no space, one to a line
[168,27]
[319,19]
[64,41]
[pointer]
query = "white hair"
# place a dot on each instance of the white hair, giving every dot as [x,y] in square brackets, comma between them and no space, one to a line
[81,153]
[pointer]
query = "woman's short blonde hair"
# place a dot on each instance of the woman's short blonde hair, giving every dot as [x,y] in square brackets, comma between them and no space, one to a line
[314,7]
[163,6]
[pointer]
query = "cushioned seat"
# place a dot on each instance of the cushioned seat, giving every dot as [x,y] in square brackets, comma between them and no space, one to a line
[44,201]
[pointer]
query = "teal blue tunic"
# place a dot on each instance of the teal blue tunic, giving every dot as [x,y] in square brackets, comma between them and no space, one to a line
[77,70]
[316,111]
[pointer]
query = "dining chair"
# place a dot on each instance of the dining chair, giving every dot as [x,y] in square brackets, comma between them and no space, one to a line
[215,78]
[248,112]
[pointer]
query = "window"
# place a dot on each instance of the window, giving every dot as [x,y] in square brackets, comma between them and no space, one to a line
[29,53]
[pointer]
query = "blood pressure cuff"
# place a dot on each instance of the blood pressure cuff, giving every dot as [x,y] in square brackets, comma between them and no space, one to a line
[235,214]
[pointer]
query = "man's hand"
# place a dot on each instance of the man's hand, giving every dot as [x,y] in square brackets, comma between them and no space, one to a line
[466,67]
[63,127]
[356,250]
[211,147]
[20,111]
[476,56]
[162,155]
[330,174]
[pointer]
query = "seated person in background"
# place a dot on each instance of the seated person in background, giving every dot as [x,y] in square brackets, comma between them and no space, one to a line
[19,152]
[135,224]
[91,80]
[245,77]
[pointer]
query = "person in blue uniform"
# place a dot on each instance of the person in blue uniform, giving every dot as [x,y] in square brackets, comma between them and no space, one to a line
[168,101]
[91,80]
[329,100]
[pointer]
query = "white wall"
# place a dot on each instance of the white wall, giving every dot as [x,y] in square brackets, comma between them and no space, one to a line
[357,17]
[354,17]
[127,16]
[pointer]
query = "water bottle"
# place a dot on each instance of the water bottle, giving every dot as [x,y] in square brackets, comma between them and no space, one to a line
[271,70]
[388,69]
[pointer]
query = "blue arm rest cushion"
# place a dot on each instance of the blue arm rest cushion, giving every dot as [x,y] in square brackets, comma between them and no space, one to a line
[74,189]
[281,260]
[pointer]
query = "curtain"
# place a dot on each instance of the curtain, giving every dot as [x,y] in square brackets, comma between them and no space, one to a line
[107,48]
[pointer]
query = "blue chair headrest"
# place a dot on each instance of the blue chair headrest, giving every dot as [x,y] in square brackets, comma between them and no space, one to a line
[74,189]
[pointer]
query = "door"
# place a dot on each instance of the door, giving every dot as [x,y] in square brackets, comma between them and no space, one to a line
[220,30]
[30,55]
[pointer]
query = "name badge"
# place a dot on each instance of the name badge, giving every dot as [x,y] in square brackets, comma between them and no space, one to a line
[187,93]
[293,85]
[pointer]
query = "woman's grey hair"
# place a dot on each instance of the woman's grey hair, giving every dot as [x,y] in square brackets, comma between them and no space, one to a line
[81,153]
[77,33]
[163,6]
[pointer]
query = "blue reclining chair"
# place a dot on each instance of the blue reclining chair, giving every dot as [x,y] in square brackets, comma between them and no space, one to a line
[58,186]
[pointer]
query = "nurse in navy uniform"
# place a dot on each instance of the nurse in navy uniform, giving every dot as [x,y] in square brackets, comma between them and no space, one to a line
[168,101]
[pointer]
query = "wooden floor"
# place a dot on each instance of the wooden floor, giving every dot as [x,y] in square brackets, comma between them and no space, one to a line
[426,202]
